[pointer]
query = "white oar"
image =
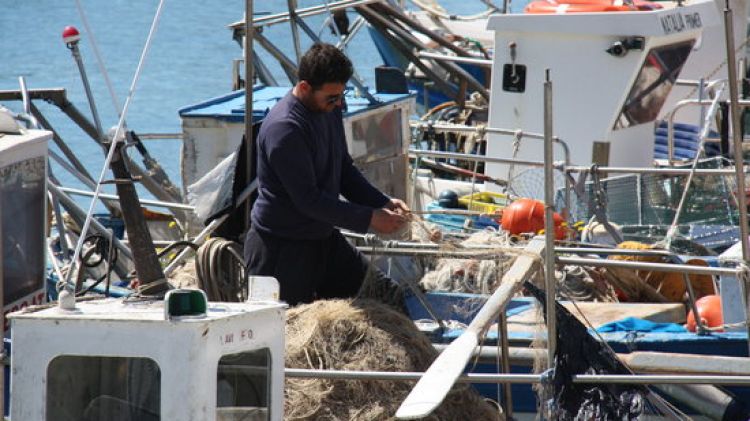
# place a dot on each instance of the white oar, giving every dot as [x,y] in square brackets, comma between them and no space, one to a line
[437,381]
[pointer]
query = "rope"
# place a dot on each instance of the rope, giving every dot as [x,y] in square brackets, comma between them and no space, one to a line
[516,147]
[220,270]
[113,145]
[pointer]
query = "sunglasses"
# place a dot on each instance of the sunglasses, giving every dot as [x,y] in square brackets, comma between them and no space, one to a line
[333,99]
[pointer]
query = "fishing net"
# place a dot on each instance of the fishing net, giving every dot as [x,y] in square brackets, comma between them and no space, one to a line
[473,275]
[578,352]
[529,183]
[363,335]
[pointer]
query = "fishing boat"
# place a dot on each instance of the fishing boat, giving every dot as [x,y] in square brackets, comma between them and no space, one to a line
[631,61]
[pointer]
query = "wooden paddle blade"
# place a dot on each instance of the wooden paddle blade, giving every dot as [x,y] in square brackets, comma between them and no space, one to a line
[438,380]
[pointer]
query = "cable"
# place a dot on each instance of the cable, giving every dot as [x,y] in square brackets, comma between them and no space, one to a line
[115,140]
[176,244]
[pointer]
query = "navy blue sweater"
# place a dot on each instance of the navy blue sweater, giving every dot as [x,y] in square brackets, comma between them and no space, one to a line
[303,167]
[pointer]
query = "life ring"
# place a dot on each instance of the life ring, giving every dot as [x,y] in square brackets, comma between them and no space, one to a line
[588,6]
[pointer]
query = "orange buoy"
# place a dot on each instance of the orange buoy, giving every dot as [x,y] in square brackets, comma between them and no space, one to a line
[709,311]
[527,215]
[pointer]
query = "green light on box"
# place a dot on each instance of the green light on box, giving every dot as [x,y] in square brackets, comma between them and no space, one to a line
[185,302]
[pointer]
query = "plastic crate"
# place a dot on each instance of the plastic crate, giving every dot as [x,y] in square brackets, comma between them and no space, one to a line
[485,202]
[457,222]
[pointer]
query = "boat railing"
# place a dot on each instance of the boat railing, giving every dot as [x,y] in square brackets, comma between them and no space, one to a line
[486,378]
[706,117]
[277,18]
[457,59]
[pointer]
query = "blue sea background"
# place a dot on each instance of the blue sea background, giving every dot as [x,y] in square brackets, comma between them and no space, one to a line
[190,61]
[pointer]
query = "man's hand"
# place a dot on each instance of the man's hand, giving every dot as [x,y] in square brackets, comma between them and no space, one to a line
[398,206]
[386,221]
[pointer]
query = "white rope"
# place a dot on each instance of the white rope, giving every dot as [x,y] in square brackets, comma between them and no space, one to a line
[115,140]
[98,56]
[518,135]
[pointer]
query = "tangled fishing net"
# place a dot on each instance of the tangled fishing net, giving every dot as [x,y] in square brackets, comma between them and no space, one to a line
[363,335]
[477,276]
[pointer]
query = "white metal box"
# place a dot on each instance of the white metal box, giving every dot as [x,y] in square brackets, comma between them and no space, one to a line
[115,359]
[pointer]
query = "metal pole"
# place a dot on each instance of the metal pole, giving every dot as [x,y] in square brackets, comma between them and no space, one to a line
[660,379]
[739,161]
[277,18]
[549,224]
[655,267]
[502,327]
[474,157]
[292,6]
[73,46]
[662,171]
[157,187]
[61,144]
[249,69]
[373,15]
[354,80]
[290,69]
[523,378]
[736,132]
[2,313]
[570,168]
[410,376]
[457,59]
[453,254]
[159,203]
[74,209]
[613,251]
[59,225]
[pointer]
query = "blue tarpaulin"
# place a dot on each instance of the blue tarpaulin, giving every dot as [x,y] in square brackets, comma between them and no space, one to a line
[633,324]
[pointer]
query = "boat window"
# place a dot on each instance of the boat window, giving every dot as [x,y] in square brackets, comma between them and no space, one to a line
[243,385]
[22,197]
[103,389]
[654,82]
[377,135]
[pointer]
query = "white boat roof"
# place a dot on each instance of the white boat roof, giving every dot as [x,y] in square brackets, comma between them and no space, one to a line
[128,310]
[659,22]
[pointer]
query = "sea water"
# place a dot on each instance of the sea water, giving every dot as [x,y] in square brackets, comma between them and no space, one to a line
[190,60]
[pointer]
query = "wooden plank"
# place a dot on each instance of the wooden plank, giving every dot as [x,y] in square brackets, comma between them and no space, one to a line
[439,378]
[598,314]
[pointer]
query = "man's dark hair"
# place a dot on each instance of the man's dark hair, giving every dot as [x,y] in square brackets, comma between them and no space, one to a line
[324,63]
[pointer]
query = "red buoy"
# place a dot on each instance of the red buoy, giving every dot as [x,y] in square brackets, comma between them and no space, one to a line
[527,215]
[71,35]
[709,310]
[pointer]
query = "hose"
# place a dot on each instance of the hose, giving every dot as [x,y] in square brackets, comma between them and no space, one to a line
[220,270]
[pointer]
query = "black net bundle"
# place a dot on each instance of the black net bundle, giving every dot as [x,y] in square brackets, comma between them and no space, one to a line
[578,352]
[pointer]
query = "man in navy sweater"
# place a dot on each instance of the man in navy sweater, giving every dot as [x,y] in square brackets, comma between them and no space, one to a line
[303,169]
